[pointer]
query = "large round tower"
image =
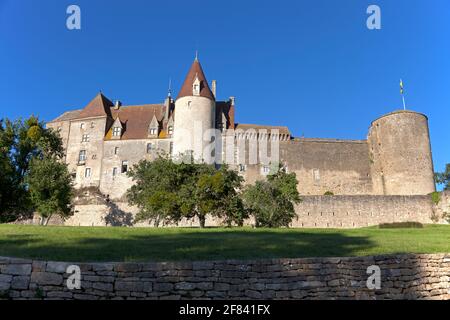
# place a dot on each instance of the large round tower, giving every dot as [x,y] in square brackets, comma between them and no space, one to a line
[400,153]
[194,116]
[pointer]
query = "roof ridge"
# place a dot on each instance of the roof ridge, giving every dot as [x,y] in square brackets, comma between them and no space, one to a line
[142,105]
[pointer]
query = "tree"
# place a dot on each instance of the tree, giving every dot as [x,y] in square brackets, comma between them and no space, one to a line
[20,142]
[50,187]
[443,178]
[272,202]
[229,204]
[155,190]
[165,191]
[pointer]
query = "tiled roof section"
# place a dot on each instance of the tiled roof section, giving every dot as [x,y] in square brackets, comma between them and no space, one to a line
[282,130]
[99,106]
[136,119]
[66,116]
[186,88]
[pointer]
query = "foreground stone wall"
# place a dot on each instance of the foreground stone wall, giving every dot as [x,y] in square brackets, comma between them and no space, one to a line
[402,277]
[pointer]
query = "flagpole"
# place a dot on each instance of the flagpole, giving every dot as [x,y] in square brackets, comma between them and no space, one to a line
[402,93]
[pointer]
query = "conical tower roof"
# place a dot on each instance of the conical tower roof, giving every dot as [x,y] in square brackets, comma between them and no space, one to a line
[195,71]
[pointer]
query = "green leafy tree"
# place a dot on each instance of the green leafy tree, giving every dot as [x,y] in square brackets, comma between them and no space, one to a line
[155,190]
[8,177]
[50,187]
[229,205]
[443,178]
[272,202]
[165,191]
[20,142]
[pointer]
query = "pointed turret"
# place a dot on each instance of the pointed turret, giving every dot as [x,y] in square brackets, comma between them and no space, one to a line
[195,77]
[194,115]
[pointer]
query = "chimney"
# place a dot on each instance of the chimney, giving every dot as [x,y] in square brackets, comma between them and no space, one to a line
[214,87]
[117,105]
[231,112]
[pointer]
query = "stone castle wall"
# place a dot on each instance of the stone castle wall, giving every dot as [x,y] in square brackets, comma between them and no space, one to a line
[362,211]
[312,212]
[402,277]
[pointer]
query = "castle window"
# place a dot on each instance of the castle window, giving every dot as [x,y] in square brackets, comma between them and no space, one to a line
[265,169]
[242,168]
[82,156]
[316,175]
[117,131]
[82,125]
[87,173]
[170,130]
[149,147]
[114,172]
[92,124]
[124,166]
[171,148]
[153,131]
[85,138]
[116,150]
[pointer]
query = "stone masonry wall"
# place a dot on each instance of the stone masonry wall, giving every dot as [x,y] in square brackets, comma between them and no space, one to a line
[361,211]
[402,277]
[312,212]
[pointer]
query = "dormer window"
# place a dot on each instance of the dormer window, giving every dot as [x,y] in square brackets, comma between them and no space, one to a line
[117,131]
[153,131]
[196,87]
[153,128]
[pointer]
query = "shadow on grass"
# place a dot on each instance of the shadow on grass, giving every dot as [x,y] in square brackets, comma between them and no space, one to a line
[187,245]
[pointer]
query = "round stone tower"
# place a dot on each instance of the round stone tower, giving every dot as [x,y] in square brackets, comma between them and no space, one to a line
[194,116]
[400,153]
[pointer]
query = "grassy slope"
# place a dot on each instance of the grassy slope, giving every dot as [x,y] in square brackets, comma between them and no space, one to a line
[147,244]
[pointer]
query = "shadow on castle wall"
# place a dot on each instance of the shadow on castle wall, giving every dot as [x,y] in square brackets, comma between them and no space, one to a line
[116,217]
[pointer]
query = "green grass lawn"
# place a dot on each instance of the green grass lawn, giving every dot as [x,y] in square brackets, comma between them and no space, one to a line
[81,244]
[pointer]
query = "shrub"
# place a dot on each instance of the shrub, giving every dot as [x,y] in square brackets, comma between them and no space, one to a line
[328,193]
[435,197]
[401,225]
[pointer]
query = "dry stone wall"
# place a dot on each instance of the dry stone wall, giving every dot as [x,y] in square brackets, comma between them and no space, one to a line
[402,277]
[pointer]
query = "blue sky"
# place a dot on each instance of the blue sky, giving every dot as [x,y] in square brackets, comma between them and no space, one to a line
[311,65]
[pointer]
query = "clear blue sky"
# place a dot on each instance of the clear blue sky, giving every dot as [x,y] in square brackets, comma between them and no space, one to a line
[311,65]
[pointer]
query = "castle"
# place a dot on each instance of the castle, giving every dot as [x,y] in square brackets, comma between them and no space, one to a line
[104,139]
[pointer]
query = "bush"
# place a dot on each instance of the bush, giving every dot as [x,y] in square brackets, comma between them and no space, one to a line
[401,225]
[328,193]
[436,197]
